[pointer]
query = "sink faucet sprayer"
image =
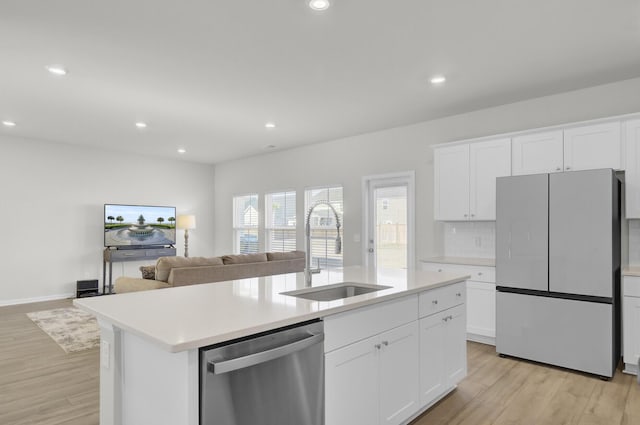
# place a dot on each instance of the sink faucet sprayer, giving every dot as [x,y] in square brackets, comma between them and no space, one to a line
[307,268]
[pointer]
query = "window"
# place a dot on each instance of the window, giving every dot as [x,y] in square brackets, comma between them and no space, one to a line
[323,225]
[280,221]
[245,224]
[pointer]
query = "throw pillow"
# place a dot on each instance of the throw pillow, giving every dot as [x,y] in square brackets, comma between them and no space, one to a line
[148,272]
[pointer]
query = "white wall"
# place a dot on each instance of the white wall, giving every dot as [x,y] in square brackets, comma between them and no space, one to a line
[346,160]
[52,198]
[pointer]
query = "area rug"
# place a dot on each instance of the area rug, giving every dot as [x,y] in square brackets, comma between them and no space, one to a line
[71,328]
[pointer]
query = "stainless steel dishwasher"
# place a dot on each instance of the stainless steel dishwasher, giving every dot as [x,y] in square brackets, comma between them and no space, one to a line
[275,378]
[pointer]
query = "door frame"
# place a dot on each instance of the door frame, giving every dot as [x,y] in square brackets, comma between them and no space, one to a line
[407,178]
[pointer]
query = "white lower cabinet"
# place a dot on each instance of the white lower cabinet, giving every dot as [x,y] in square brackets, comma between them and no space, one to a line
[399,361]
[443,353]
[631,323]
[481,312]
[480,299]
[375,375]
[351,381]
[374,381]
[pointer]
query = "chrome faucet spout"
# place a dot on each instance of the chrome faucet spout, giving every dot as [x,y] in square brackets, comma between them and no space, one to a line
[307,269]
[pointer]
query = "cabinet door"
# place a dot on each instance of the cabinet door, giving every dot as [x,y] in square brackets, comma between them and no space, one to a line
[432,358]
[481,309]
[451,179]
[537,153]
[487,160]
[399,392]
[631,329]
[351,384]
[632,174]
[591,147]
[455,345]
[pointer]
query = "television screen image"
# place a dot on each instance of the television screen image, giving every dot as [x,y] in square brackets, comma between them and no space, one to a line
[139,225]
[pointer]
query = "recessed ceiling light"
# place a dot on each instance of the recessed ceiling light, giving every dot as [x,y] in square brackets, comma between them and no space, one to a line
[438,79]
[56,69]
[141,124]
[182,150]
[8,123]
[319,4]
[270,125]
[270,147]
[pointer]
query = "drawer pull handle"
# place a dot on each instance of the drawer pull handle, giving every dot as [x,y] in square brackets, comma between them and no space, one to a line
[378,346]
[458,294]
[479,273]
[435,302]
[385,343]
[439,270]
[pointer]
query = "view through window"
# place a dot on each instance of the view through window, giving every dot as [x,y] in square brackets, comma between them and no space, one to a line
[280,221]
[323,225]
[245,224]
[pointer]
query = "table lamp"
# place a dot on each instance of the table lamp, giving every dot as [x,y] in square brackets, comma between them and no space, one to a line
[186,222]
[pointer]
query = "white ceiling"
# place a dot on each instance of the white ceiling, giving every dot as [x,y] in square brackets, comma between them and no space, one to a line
[207,75]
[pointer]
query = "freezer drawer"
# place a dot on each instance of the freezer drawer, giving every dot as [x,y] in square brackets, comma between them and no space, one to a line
[573,334]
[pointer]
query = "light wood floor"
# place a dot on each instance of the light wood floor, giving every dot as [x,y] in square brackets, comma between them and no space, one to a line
[504,391]
[41,384]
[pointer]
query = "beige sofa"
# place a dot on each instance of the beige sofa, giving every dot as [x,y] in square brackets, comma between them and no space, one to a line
[180,271]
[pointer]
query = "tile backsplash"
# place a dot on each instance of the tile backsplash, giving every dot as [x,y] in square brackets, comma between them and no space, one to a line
[634,242]
[472,239]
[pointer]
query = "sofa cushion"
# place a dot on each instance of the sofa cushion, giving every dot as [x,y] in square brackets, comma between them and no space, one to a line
[291,255]
[244,258]
[165,264]
[148,272]
[132,284]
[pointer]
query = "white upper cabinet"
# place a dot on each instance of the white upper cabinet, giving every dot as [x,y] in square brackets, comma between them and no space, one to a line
[632,174]
[537,153]
[579,148]
[451,166]
[487,160]
[593,146]
[465,179]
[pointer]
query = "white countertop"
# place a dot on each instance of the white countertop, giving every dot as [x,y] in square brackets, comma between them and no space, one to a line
[189,317]
[468,261]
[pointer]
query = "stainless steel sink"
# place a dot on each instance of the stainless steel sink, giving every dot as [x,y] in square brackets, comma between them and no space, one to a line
[335,292]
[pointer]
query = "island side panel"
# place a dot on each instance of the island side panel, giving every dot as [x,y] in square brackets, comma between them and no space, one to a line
[158,387]
[110,374]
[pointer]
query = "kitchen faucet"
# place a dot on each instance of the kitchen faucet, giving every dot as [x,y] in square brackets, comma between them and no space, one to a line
[307,268]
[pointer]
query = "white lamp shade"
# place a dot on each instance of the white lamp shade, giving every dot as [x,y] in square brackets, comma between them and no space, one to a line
[186,222]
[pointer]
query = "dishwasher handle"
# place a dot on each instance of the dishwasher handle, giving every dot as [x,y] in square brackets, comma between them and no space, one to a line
[224,366]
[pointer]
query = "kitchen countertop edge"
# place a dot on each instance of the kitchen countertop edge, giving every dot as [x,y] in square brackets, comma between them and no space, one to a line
[353,303]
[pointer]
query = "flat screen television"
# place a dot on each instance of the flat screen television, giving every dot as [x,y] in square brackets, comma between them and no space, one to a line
[139,226]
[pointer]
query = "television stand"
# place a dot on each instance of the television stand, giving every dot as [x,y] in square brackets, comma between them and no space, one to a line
[119,255]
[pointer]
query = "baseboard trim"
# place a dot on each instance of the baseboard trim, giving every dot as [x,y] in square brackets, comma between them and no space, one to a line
[482,339]
[4,303]
[630,368]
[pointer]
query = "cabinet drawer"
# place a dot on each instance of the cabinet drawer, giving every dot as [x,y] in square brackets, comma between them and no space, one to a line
[351,326]
[160,252]
[440,299]
[477,273]
[128,254]
[631,286]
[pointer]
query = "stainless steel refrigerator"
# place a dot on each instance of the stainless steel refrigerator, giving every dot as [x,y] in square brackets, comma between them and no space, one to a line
[558,269]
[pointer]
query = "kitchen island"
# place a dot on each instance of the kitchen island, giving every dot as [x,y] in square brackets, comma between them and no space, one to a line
[149,354]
